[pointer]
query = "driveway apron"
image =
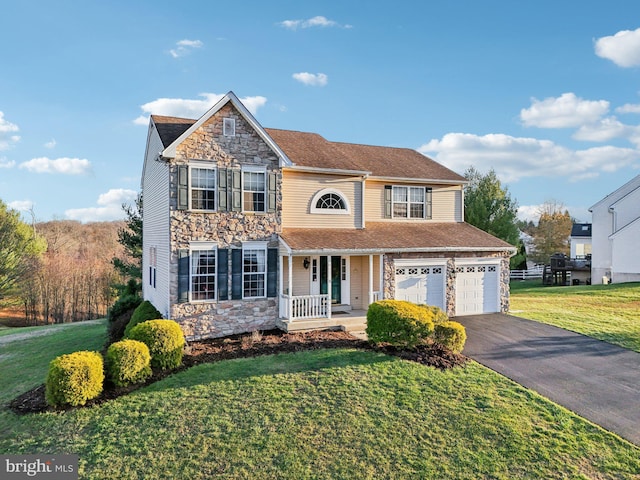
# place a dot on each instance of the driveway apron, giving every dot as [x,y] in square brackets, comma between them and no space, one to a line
[597,380]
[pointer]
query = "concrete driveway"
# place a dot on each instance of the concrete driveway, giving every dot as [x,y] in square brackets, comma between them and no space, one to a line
[597,380]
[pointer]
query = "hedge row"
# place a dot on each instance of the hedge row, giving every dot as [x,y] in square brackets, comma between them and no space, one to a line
[406,325]
[76,378]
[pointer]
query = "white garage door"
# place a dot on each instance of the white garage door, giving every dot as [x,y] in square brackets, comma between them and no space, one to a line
[421,284]
[476,289]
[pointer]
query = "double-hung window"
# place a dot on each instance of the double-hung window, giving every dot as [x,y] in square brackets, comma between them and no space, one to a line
[254,188]
[203,272]
[409,202]
[203,188]
[254,270]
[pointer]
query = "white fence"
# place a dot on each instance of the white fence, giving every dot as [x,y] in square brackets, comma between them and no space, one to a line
[305,306]
[535,272]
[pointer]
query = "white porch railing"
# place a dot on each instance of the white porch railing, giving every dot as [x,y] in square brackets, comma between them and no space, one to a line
[377,296]
[304,306]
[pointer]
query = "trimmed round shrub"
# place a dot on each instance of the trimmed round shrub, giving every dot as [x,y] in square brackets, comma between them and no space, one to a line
[164,339]
[127,362]
[438,314]
[145,311]
[399,323]
[450,334]
[74,378]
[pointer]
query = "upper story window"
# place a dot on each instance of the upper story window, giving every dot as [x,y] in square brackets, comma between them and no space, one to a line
[254,191]
[407,202]
[329,201]
[203,188]
[229,127]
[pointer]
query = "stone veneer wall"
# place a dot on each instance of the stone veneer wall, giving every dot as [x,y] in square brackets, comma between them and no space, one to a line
[227,229]
[389,274]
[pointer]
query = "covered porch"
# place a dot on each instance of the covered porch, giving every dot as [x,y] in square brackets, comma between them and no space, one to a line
[327,289]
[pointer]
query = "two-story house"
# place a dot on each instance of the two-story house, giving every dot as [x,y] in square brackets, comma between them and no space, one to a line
[615,231]
[249,228]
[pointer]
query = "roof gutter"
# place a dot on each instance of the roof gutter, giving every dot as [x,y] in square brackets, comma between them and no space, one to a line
[327,171]
[367,251]
[421,180]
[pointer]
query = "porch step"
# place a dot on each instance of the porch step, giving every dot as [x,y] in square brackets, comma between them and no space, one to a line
[347,324]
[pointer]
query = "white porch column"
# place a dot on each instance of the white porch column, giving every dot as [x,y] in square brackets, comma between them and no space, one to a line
[280,285]
[370,279]
[329,286]
[290,286]
[381,290]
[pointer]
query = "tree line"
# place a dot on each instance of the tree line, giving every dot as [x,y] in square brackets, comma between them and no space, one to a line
[59,271]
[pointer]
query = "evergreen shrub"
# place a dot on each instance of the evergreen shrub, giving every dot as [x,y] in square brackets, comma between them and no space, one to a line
[450,334]
[164,339]
[145,311]
[399,323]
[127,362]
[74,378]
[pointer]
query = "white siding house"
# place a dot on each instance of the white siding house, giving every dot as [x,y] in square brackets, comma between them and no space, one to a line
[615,233]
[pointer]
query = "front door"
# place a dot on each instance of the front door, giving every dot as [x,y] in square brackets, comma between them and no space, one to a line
[336,283]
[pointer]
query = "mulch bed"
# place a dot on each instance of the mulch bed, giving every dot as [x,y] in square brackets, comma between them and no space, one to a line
[252,345]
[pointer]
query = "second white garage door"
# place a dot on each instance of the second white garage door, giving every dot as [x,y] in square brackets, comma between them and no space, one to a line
[476,289]
[421,284]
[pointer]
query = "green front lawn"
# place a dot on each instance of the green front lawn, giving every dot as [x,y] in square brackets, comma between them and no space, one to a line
[333,414]
[607,312]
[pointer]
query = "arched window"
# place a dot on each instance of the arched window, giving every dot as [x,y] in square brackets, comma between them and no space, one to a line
[329,201]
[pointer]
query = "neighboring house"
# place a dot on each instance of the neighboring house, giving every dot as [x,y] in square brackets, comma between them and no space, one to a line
[580,240]
[615,232]
[247,228]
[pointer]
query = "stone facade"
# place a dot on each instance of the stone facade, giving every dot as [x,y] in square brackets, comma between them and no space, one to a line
[227,229]
[449,260]
[228,317]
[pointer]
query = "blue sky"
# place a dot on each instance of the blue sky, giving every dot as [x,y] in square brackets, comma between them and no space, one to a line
[547,93]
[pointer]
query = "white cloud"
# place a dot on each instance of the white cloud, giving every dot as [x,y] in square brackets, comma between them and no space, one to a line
[532,213]
[604,130]
[4,163]
[7,129]
[565,111]
[629,108]
[186,108]
[21,205]
[317,21]
[185,47]
[514,158]
[623,48]
[110,207]
[51,143]
[311,79]
[64,165]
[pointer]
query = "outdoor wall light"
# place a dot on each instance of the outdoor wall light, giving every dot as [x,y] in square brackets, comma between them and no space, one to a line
[305,263]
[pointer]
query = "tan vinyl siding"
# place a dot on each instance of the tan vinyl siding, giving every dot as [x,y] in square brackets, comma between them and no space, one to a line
[298,189]
[446,202]
[155,227]
[300,277]
[357,301]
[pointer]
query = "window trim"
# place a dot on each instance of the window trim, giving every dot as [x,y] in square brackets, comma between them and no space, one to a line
[229,127]
[255,246]
[408,203]
[203,166]
[254,169]
[329,211]
[201,247]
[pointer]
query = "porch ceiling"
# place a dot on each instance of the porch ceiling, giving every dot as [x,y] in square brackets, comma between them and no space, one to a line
[393,237]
